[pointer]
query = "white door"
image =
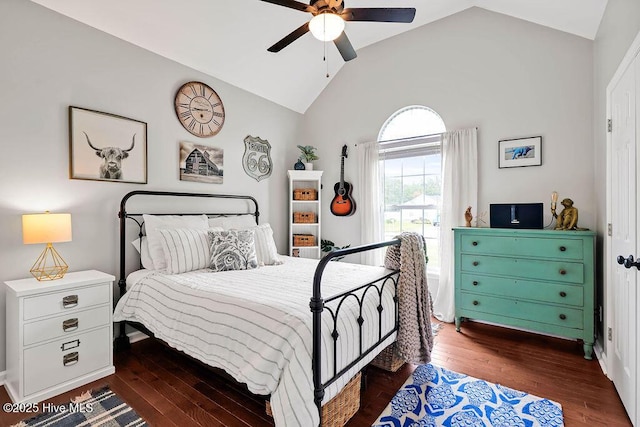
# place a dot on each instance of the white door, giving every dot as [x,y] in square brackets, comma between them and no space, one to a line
[624,241]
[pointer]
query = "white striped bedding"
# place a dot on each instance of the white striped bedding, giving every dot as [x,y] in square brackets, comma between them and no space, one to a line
[256,325]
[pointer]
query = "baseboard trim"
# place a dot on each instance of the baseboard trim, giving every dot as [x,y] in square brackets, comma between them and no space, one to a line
[602,358]
[3,376]
[136,336]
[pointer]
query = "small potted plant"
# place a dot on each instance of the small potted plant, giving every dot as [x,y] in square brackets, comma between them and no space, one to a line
[308,155]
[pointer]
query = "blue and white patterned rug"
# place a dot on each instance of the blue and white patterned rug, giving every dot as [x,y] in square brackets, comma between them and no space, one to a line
[434,396]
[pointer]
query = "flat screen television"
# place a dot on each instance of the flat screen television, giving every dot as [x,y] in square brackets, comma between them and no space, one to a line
[516,215]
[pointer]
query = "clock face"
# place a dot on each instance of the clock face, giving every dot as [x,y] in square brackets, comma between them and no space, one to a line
[199,109]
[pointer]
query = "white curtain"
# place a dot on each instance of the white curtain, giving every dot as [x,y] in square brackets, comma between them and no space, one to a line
[369,201]
[459,190]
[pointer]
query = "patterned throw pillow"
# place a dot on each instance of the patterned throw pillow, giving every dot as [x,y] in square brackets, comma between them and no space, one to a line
[232,250]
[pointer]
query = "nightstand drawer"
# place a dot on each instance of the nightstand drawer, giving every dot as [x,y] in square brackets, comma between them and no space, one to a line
[65,325]
[557,293]
[556,271]
[66,301]
[65,359]
[523,246]
[515,309]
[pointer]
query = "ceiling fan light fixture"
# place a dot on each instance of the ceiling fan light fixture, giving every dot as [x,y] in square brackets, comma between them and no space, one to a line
[326,26]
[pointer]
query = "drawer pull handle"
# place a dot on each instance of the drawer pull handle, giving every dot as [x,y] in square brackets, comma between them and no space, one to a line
[69,345]
[563,294]
[475,303]
[475,283]
[70,325]
[475,263]
[563,272]
[563,248]
[70,359]
[70,301]
[474,243]
[563,317]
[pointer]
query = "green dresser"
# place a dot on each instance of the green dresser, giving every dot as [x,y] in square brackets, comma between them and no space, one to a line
[540,280]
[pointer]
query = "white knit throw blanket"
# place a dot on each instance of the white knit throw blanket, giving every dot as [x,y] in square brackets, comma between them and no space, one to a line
[415,336]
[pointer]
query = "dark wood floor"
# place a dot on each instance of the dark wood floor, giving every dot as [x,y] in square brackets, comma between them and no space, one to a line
[168,389]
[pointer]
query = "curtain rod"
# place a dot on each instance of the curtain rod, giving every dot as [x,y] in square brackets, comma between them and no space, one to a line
[386,141]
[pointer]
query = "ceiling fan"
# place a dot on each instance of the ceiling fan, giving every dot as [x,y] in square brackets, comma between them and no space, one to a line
[329,18]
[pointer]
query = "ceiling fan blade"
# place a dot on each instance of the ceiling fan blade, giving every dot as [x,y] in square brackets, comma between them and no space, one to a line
[380,14]
[344,47]
[293,36]
[292,5]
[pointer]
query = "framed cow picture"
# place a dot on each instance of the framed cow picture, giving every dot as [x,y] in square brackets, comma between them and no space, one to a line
[106,147]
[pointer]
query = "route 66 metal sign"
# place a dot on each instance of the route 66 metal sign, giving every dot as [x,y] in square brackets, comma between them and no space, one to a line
[256,160]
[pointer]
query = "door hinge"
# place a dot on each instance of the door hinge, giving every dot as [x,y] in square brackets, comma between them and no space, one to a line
[609,334]
[609,229]
[600,313]
[609,125]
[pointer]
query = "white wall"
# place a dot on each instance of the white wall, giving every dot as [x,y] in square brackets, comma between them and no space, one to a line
[509,77]
[618,28]
[49,62]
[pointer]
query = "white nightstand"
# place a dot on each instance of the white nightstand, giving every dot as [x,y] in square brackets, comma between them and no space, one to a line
[59,334]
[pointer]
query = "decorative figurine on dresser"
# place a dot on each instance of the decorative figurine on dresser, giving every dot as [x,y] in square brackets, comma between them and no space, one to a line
[567,219]
[539,280]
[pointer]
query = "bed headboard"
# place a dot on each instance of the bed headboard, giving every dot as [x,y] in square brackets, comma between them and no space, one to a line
[250,208]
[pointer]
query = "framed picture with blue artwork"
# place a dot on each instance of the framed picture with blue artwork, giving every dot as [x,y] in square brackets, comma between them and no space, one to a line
[519,152]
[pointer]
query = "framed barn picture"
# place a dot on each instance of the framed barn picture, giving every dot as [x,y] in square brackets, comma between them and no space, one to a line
[518,152]
[201,163]
[106,147]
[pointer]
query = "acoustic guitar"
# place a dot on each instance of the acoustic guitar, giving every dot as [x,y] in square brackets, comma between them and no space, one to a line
[342,204]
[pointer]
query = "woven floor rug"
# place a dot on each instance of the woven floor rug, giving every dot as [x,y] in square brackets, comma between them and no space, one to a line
[434,396]
[99,408]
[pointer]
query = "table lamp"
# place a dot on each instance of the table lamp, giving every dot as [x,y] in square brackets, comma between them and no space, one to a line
[47,228]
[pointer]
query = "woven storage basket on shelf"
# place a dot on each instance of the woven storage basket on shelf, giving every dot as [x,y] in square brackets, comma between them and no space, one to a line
[340,409]
[304,218]
[305,194]
[304,240]
[388,359]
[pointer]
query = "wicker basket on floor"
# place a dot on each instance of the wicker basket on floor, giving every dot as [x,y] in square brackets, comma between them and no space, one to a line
[340,409]
[388,359]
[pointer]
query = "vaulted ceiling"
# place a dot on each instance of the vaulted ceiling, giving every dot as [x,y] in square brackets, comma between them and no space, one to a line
[229,39]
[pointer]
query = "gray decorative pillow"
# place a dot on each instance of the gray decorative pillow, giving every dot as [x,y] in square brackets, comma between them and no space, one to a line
[232,250]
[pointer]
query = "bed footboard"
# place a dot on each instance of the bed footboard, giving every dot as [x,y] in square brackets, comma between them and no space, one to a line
[318,305]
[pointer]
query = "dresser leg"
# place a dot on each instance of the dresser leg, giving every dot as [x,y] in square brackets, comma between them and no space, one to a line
[588,350]
[458,320]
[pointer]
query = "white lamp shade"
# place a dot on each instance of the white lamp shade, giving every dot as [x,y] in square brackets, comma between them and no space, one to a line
[46,228]
[326,26]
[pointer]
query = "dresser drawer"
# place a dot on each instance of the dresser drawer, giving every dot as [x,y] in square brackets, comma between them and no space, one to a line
[557,293]
[65,359]
[65,325]
[516,309]
[66,301]
[555,271]
[523,246]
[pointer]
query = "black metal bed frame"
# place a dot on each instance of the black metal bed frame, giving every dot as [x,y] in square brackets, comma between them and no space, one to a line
[317,303]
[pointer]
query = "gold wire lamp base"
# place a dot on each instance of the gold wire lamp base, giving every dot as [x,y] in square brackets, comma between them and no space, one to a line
[49,265]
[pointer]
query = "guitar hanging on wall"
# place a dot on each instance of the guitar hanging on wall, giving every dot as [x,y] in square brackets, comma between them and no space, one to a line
[342,204]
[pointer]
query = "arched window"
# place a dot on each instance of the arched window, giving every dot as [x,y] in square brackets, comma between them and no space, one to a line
[410,165]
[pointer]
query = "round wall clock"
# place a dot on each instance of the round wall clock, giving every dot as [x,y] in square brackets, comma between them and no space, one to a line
[199,109]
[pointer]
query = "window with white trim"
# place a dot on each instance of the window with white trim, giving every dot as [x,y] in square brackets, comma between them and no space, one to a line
[411,169]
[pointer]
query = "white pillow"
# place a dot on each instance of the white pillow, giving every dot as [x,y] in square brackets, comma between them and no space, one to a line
[153,222]
[266,249]
[241,222]
[185,249]
[142,246]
